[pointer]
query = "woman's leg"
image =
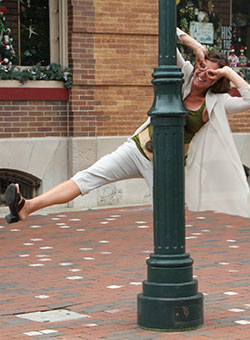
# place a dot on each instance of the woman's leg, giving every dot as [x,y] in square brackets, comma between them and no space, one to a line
[120,164]
[62,193]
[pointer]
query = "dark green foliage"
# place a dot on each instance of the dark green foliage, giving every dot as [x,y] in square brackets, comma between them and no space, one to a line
[37,72]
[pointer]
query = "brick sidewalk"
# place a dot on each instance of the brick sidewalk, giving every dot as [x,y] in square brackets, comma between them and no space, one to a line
[93,263]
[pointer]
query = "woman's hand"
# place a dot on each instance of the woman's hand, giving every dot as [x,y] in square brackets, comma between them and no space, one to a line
[216,74]
[200,53]
[228,73]
[199,50]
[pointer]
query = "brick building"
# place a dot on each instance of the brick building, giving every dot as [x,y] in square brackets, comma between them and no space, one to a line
[47,132]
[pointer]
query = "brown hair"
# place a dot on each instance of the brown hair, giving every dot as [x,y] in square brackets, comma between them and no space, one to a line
[223,84]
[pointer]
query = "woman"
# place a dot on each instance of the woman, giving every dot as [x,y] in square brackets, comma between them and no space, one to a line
[215,179]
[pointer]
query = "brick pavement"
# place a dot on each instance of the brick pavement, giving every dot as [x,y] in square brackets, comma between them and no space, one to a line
[93,263]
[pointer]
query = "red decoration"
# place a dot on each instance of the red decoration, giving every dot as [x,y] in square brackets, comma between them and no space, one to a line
[242,57]
[233,59]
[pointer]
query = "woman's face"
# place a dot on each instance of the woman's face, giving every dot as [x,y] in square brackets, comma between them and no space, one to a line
[202,77]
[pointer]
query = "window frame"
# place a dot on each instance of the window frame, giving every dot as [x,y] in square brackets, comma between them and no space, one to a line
[58,14]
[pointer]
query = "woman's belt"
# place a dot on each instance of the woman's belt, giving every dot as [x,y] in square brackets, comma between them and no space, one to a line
[144,138]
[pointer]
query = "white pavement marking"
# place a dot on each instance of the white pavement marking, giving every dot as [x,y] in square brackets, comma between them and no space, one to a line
[33,333]
[236,310]
[42,296]
[224,263]
[53,316]
[66,264]
[74,277]
[243,322]
[45,259]
[49,331]
[135,283]
[112,311]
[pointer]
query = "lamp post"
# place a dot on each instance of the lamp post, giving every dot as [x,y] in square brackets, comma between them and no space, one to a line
[170,300]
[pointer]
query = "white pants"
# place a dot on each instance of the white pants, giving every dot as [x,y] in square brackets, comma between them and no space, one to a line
[124,163]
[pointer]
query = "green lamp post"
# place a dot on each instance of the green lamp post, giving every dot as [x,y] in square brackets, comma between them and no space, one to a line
[170,300]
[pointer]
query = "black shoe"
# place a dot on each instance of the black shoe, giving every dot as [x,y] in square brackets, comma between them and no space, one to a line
[15,202]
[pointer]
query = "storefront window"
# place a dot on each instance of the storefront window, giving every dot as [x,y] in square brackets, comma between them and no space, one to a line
[224,26]
[32,32]
[200,20]
[241,27]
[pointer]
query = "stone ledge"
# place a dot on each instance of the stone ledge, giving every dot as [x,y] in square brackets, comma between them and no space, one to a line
[32,83]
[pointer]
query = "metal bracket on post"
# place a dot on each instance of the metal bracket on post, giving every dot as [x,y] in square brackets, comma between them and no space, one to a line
[170,300]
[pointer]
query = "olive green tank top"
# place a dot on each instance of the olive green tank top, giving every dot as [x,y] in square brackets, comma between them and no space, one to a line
[193,124]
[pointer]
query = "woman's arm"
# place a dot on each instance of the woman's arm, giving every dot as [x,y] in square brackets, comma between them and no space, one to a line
[238,104]
[230,74]
[188,41]
[233,104]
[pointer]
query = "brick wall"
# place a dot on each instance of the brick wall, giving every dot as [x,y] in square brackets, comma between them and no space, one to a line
[240,122]
[114,51]
[33,119]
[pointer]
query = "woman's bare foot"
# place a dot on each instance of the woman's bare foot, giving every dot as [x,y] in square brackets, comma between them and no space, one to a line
[23,212]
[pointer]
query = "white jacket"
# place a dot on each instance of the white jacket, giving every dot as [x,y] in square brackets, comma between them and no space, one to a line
[214,175]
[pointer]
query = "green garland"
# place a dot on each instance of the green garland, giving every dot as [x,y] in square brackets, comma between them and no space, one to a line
[37,72]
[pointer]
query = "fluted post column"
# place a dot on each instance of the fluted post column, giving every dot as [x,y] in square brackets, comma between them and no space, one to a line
[170,299]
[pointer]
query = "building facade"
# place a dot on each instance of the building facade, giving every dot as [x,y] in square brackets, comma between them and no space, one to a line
[48,132]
